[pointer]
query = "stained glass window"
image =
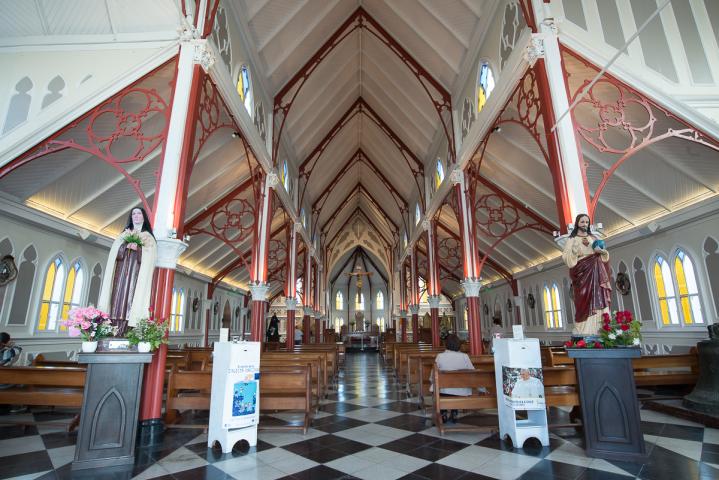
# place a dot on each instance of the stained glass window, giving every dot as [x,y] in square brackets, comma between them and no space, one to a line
[243,88]
[688,290]
[298,290]
[422,290]
[552,307]
[360,301]
[380,301]
[339,301]
[285,176]
[50,308]
[404,239]
[380,323]
[338,323]
[177,313]
[417,214]
[73,289]
[438,174]
[665,292]
[485,85]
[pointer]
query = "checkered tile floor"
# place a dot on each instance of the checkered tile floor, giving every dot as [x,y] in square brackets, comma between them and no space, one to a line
[369,430]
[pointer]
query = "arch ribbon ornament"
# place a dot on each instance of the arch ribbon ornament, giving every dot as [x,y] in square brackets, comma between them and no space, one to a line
[616,119]
[123,130]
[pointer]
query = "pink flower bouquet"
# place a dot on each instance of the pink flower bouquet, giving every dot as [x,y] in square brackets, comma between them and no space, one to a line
[89,323]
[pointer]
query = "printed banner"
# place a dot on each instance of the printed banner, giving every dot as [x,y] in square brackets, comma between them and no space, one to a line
[523,387]
[242,388]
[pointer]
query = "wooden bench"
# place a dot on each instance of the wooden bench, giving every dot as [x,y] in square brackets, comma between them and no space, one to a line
[282,388]
[315,373]
[41,361]
[424,375]
[187,390]
[286,388]
[476,401]
[403,366]
[656,370]
[320,373]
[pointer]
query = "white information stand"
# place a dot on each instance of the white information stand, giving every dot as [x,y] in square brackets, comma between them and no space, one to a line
[518,370]
[235,401]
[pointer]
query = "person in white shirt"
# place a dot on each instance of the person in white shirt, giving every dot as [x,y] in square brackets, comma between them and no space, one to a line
[453,359]
[527,386]
[298,336]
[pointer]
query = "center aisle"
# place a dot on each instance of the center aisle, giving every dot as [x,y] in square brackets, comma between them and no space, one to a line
[369,430]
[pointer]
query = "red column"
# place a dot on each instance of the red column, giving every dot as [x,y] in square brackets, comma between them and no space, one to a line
[403,325]
[153,382]
[415,323]
[434,314]
[318,325]
[306,327]
[474,325]
[290,329]
[257,323]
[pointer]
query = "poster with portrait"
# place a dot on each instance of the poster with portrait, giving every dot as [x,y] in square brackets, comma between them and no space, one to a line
[523,387]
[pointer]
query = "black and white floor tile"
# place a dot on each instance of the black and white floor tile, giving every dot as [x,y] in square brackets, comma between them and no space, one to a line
[368,430]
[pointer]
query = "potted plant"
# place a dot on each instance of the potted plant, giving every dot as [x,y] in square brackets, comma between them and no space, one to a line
[148,334]
[90,324]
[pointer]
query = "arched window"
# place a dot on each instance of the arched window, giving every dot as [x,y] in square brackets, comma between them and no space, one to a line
[552,307]
[298,290]
[73,288]
[380,324]
[417,214]
[303,216]
[339,301]
[243,88]
[422,290]
[665,292]
[177,313]
[485,84]
[438,174]
[688,289]
[50,308]
[338,323]
[360,301]
[379,303]
[285,176]
[404,240]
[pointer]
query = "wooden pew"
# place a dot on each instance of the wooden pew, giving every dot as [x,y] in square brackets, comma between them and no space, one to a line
[42,386]
[315,374]
[321,376]
[477,401]
[424,381]
[281,388]
[655,370]
[403,362]
[41,361]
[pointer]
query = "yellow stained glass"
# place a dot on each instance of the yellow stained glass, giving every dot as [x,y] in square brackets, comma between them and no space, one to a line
[481,98]
[241,87]
[661,293]
[69,288]
[683,290]
[547,308]
[47,296]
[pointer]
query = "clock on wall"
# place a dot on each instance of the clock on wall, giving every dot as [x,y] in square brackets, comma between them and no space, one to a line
[8,270]
[237,311]
[216,308]
[624,285]
[531,301]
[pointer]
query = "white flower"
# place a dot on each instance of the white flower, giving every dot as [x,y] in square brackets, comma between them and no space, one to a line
[618,331]
[612,336]
[635,341]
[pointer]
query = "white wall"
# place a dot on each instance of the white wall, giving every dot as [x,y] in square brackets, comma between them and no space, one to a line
[643,245]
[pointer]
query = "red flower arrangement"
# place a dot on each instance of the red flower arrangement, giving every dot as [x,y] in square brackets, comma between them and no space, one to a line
[618,329]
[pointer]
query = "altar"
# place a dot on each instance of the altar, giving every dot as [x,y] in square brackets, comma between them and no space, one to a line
[361,339]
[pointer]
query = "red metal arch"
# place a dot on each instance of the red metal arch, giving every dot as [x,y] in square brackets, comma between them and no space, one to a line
[127,128]
[360,19]
[612,116]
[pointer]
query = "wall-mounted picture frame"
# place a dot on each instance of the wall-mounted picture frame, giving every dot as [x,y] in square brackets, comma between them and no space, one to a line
[623,283]
[195,304]
[531,301]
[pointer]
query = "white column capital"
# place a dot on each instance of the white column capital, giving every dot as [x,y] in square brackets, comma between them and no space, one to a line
[535,48]
[204,54]
[457,176]
[273,179]
[471,287]
[298,227]
[403,313]
[291,303]
[259,291]
[426,225]
[308,311]
[168,252]
[433,301]
[414,309]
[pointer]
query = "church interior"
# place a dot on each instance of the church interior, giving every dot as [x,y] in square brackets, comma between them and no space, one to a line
[356,184]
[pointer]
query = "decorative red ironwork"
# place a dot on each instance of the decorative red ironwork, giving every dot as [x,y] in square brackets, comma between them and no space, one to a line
[212,115]
[619,121]
[360,107]
[125,129]
[361,20]
[449,251]
[359,156]
[495,216]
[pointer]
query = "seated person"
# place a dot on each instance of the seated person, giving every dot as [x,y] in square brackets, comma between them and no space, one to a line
[453,359]
[298,336]
[9,352]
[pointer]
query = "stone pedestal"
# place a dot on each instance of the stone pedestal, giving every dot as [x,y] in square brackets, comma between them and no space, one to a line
[610,409]
[705,396]
[108,419]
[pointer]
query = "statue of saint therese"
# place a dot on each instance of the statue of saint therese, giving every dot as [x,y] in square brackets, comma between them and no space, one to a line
[127,283]
[588,261]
